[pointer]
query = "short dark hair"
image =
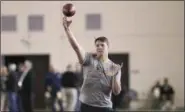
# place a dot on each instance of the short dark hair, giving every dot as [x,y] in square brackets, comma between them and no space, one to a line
[166,79]
[102,39]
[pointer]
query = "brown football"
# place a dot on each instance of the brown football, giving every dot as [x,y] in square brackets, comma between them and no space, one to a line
[69,10]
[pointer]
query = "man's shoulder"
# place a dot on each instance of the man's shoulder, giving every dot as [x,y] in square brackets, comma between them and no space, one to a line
[113,64]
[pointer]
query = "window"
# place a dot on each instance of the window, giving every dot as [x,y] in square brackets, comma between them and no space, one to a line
[8,23]
[35,23]
[93,21]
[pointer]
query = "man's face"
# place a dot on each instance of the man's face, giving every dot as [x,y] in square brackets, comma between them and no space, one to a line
[28,64]
[69,68]
[101,48]
[21,68]
[157,83]
[166,81]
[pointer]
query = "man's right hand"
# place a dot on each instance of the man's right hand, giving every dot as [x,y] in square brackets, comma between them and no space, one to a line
[66,22]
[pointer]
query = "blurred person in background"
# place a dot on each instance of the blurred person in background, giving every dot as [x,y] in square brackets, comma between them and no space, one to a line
[78,72]
[156,95]
[69,91]
[48,84]
[167,93]
[3,88]
[21,69]
[25,84]
[79,75]
[53,87]
[12,88]
[124,98]
[130,100]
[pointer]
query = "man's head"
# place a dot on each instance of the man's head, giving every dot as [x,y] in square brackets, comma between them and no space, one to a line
[158,83]
[51,68]
[166,81]
[12,67]
[69,67]
[28,64]
[21,67]
[102,45]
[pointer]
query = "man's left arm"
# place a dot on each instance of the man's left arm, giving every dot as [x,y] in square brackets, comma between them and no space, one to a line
[116,84]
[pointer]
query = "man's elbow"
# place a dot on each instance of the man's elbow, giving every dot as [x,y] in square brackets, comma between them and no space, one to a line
[117,91]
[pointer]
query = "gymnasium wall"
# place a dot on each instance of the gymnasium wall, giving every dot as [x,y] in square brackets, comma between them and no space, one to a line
[151,32]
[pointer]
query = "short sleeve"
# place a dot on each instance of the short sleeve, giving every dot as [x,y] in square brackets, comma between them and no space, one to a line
[88,59]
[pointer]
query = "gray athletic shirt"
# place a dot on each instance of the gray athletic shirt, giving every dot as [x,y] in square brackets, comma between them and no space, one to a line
[97,87]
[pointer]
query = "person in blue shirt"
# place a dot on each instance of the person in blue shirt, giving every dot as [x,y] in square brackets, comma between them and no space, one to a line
[53,86]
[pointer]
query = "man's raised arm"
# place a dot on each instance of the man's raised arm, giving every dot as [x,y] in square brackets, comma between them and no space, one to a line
[72,40]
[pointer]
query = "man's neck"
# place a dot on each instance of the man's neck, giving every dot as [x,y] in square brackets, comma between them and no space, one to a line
[103,58]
